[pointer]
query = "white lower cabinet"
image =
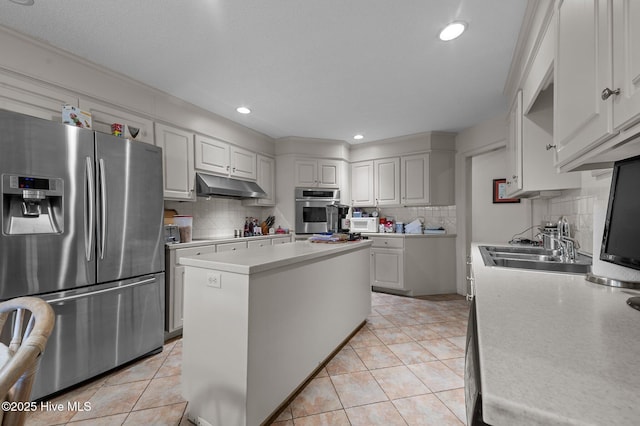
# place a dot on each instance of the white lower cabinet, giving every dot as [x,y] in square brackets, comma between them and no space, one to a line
[387,262]
[387,268]
[174,275]
[177,292]
[413,265]
[174,284]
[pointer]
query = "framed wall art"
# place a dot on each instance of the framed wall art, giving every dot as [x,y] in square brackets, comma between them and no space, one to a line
[500,192]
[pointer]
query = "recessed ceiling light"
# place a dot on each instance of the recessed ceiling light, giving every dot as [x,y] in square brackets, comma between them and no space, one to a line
[243,110]
[23,2]
[452,31]
[358,137]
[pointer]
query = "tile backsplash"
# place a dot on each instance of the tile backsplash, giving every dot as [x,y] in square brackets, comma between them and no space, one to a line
[217,217]
[444,216]
[577,206]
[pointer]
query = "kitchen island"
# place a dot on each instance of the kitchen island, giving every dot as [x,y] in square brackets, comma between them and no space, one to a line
[555,348]
[259,322]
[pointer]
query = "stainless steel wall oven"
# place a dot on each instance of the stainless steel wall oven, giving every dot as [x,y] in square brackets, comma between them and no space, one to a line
[311,208]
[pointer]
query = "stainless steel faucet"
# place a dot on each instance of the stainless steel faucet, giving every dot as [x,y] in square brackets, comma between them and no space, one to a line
[568,245]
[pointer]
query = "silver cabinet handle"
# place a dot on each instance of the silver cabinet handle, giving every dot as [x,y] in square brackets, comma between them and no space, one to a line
[606,93]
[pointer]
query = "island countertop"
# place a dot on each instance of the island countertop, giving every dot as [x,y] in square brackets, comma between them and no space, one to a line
[262,259]
[555,348]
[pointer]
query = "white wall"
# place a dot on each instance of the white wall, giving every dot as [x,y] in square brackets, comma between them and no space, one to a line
[494,222]
[482,138]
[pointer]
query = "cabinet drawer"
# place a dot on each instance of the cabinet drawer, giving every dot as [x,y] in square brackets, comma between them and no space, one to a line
[194,251]
[281,240]
[231,246]
[388,242]
[259,243]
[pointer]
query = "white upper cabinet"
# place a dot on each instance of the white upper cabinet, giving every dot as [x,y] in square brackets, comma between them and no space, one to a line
[414,181]
[362,184]
[218,157]
[323,173]
[626,63]
[387,181]
[177,162]
[597,81]
[266,181]
[411,180]
[582,72]
[514,146]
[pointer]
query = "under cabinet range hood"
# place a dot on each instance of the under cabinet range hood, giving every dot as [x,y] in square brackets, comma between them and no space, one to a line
[218,186]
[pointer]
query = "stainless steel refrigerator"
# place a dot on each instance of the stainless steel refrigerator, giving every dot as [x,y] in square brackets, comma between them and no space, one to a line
[81,226]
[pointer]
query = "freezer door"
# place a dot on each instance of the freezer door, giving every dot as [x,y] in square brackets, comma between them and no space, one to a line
[53,249]
[99,328]
[129,208]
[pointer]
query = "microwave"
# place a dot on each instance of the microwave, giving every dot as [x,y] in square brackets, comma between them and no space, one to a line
[364,224]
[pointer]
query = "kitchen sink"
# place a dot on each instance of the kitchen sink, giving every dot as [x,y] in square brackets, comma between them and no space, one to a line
[534,258]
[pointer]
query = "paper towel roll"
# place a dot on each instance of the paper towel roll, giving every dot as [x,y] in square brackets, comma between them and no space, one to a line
[599,267]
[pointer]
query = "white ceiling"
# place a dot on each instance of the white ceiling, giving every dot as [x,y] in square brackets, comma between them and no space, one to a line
[309,68]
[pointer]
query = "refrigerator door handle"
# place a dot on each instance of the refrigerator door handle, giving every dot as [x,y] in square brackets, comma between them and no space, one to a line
[103,207]
[106,290]
[90,208]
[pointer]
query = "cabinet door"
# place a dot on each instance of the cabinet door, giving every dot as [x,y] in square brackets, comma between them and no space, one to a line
[582,119]
[387,181]
[243,163]
[387,268]
[212,155]
[414,183]
[329,173]
[177,298]
[362,184]
[177,162]
[514,147]
[267,180]
[306,173]
[626,62]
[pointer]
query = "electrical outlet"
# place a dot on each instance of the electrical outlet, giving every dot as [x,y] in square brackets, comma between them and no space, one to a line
[214,279]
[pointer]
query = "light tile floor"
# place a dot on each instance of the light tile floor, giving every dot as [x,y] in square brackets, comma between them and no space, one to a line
[405,367]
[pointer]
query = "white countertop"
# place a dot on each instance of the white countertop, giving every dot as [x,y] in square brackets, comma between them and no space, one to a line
[555,348]
[262,259]
[197,242]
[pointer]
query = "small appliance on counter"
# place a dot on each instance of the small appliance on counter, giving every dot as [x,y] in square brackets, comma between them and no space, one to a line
[171,234]
[364,224]
[336,215]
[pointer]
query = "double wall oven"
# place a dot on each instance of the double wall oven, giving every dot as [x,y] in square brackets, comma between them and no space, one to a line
[311,208]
